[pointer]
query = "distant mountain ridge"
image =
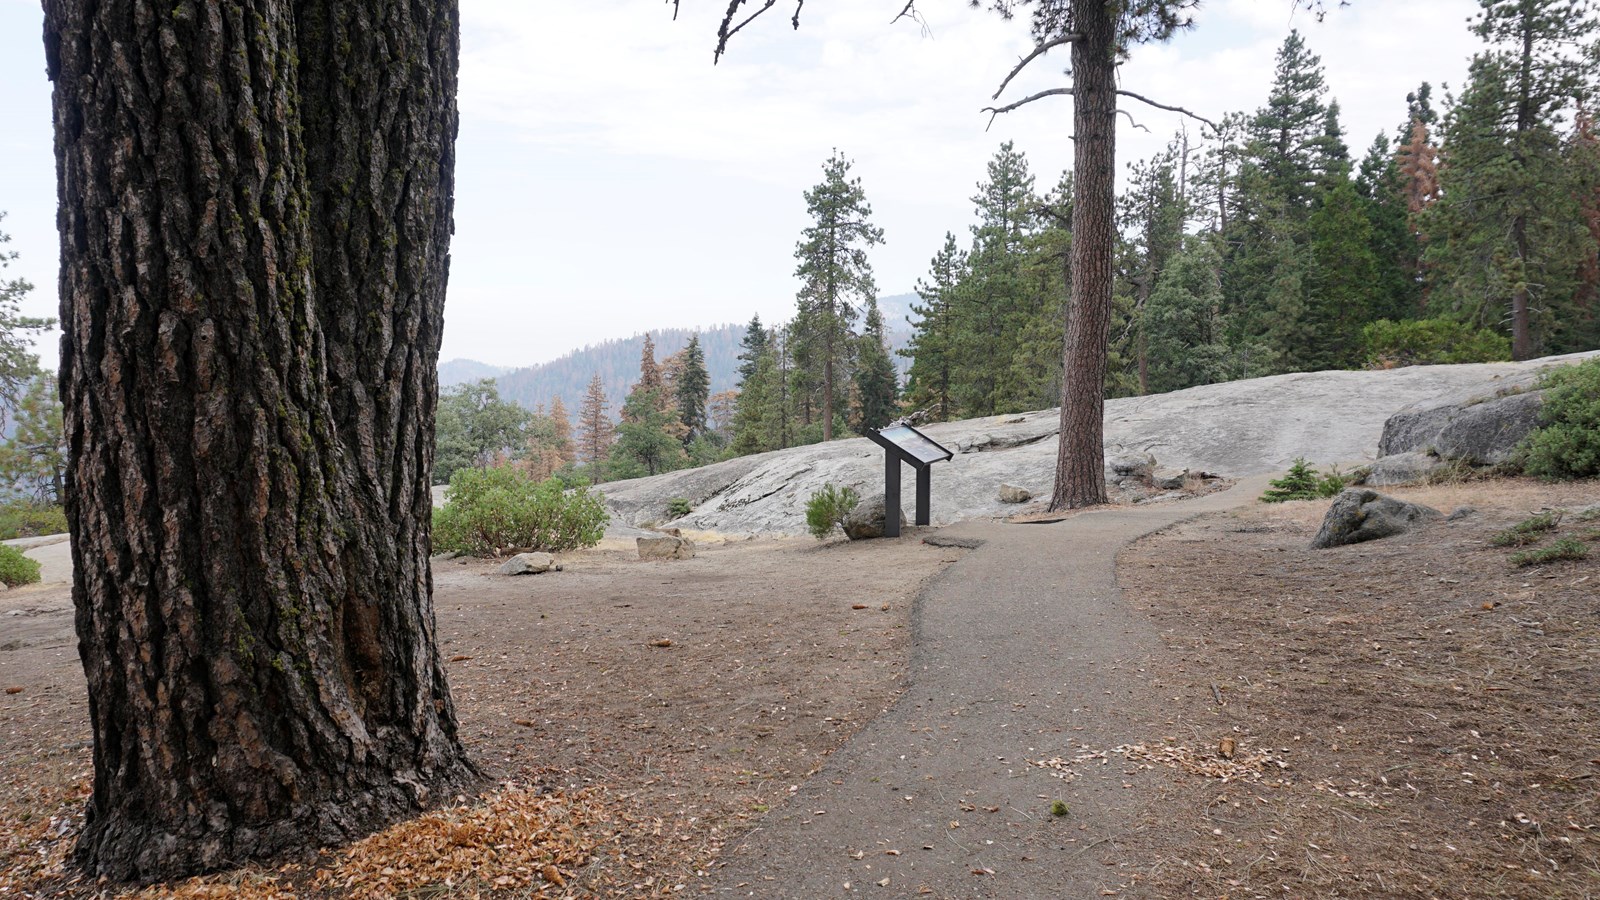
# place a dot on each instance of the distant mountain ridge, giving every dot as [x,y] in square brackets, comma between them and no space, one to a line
[617,362]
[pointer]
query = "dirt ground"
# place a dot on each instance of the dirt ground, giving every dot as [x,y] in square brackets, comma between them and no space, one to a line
[1437,708]
[692,694]
[1413,717]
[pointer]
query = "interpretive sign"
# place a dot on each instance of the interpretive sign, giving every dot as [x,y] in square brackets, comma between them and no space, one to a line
[903,444]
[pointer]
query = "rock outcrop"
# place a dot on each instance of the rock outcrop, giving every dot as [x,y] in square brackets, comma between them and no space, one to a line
[1361,514]
[1010,493]
[1401,468]
[666,546]
[1235,429]
[869,517]
[528,564]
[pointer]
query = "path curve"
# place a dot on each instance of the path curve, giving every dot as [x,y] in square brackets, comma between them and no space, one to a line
[1024,649]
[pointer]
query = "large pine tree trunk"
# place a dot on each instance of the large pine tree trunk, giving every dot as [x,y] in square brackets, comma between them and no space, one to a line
[255,220]
[1080,461]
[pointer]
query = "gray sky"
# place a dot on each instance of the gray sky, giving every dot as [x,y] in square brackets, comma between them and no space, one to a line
[611,180]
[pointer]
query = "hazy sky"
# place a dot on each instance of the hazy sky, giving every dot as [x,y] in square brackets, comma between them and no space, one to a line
[611,180]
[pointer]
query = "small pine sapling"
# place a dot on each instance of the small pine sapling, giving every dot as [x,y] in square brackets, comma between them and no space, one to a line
[827,509]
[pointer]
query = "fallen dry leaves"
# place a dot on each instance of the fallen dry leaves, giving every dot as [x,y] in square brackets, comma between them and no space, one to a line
[1230,762]
[517,839]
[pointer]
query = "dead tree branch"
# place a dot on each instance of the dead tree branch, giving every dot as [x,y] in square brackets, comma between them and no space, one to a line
[1177,109]
[1042,49]
[1051,92]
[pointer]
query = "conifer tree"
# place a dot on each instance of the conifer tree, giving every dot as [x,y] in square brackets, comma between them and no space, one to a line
[835,274]
[996,300]
[929,385]
[595,431]
[693,389]
[1188,336]
[751,346]
[33,458]
[1153,213]
[1507,224]
[561,432]
[875,375]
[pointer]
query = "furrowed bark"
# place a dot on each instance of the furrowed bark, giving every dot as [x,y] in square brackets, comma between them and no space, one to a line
[255,219]
[1080,479]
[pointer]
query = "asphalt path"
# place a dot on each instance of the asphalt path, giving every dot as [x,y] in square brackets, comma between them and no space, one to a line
[1022,650]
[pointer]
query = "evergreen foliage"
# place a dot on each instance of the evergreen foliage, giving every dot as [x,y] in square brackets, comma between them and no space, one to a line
[875,389]
[834,276]
[1303,482]
[1567,442]
[828,508]
[1426,342]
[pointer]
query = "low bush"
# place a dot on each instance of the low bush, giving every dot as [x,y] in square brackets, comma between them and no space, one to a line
[1529,531]
[496,509]
[1567,442]
[1420,342]
[678,507]
[827,509]
[1566,548]
[1304,482]
[16,569]
[21,518]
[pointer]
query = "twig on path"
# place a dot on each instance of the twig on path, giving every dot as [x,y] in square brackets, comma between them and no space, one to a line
[1110,837]
[1216,693]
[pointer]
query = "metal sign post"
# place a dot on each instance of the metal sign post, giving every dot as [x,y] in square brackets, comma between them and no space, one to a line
[904,444]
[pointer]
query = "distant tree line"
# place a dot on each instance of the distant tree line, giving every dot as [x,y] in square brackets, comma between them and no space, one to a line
[1470,233]
[668,420]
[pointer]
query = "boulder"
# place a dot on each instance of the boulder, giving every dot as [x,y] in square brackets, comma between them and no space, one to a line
[666,546]
[1129,464]
[528,564]
[1402,468]
[867,519]
[1010,493]
[1482,427]
[1167,478]
[1461,512]
[1361,514]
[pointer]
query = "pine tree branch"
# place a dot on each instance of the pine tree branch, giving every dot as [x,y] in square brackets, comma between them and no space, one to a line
[1133,122]
[1043,48]
[909,12]
[725,33]
[1177,109]
[1051,92]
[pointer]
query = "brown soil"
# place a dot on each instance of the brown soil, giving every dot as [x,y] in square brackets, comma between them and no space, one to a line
[1412,717]
[692,694]
[1438,709]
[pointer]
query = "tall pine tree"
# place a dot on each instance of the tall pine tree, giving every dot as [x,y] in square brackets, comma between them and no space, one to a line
[834,274]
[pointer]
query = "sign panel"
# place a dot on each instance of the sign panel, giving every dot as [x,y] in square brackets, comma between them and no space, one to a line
[915,444]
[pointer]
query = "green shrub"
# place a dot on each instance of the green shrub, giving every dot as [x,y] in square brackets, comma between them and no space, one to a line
[678,507]
[16,569]
[1529,531]
[1302,482]
[827,509]
[1430,342]
[1567,442]
[1566,548]
[501,508]
[22,518]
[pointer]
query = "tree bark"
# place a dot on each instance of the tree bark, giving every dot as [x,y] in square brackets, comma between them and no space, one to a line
[255,219]
[1080,460]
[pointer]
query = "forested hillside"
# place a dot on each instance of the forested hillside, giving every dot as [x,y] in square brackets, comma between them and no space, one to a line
[617,364]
